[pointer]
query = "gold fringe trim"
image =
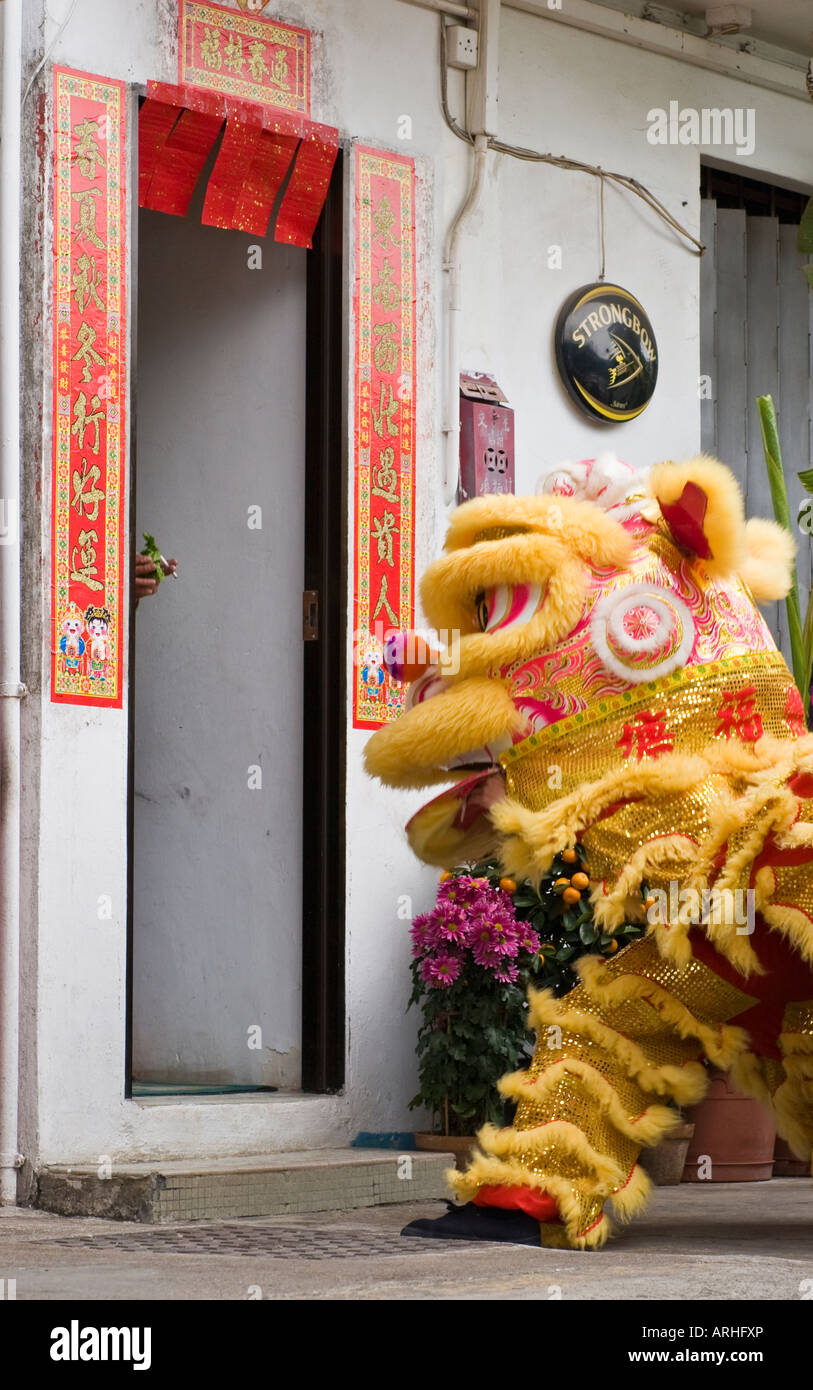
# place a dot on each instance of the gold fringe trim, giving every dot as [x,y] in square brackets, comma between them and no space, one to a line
[560,1238]
[567,1136]
[789,1104]
[631,1199]
[794,924]
[685,1084]
[534,838]
[754,804]
[721,1044]
[748,1076]
[647,1128]
[669,852]
[485,1171]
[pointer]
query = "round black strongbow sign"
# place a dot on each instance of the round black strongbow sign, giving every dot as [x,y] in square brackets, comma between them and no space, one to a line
[606,352]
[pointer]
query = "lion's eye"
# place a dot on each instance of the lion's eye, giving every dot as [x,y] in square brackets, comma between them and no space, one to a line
[482,611]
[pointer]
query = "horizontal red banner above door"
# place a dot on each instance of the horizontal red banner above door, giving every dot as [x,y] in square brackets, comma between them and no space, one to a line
[178,127]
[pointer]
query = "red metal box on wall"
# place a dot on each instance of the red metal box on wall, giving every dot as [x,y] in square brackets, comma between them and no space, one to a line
[486,437]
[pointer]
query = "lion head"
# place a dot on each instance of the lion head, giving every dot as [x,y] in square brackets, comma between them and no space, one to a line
[558,608]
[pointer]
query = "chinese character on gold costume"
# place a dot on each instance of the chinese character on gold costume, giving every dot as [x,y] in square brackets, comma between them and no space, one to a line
[619,642]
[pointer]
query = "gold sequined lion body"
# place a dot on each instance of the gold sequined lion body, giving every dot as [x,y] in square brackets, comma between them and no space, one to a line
[610,681]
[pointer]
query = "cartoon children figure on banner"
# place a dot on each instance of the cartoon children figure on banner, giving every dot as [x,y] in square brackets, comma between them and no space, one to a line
[99,649]
[72,642]
[372,670]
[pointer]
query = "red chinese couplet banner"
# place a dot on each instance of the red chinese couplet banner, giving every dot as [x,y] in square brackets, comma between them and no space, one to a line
[384,425]
[89,389]
[256,59]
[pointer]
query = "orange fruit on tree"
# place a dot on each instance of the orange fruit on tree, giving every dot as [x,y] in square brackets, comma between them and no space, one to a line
[571,895]
[508,885]
[613,947]
[561,883]
[580,880]
[445,876]
[570,856]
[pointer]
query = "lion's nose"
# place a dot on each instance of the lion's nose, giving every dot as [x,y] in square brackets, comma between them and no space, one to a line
[409,655]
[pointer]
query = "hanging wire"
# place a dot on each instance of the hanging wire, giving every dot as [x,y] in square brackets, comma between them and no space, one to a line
[601,223]
[624,181]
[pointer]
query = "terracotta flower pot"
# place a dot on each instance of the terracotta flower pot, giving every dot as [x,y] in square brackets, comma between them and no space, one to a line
[786,1164]
[733,1137]
[460,1147]
[666,1161]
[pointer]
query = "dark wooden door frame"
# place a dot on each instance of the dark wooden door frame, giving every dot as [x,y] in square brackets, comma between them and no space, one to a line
[324,694]
[323,762]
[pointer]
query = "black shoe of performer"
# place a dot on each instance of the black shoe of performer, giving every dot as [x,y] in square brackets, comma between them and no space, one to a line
[471,1222]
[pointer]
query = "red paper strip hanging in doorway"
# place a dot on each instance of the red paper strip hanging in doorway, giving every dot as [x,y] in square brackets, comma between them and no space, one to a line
[178,127]
[244,56]
[90,316]
[384,584]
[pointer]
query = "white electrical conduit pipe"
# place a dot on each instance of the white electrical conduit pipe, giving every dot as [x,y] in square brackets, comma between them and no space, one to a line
[445,7]
[10,687]
[451,264]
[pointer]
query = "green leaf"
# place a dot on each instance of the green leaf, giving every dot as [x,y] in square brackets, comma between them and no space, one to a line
[151,549]
[587,933]
[806,476]
[779,496]
[807,640]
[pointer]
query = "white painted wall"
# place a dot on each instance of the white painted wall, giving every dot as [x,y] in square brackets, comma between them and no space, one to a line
[375,61]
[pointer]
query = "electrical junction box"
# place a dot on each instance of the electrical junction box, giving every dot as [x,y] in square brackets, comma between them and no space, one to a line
[461,46]
[486,438]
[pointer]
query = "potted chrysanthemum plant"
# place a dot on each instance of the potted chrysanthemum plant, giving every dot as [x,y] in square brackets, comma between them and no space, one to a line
[474,955]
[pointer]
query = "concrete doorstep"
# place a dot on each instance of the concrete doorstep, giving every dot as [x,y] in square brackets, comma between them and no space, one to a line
[262,1185]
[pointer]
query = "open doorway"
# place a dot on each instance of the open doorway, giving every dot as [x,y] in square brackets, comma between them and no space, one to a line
[236,762]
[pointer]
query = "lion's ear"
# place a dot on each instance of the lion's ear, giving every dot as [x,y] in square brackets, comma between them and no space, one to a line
[768,567]
[702,506]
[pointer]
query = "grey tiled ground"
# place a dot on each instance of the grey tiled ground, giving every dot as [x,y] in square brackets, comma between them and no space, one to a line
[715,1242]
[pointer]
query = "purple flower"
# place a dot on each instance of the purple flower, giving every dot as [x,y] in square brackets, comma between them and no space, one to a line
[494,929]
[488,958]
[463,891]
[450,922]
[423,935]
[528,939]
[507,975]
[440,970]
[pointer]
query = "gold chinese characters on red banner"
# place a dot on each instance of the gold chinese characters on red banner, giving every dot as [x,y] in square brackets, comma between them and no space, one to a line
[89,389]
[384,425]
[244,56]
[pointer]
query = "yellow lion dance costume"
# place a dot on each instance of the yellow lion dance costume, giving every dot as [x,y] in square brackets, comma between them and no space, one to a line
[609,680]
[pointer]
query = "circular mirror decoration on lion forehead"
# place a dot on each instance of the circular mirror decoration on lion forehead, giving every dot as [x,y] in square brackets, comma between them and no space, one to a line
[606,352]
